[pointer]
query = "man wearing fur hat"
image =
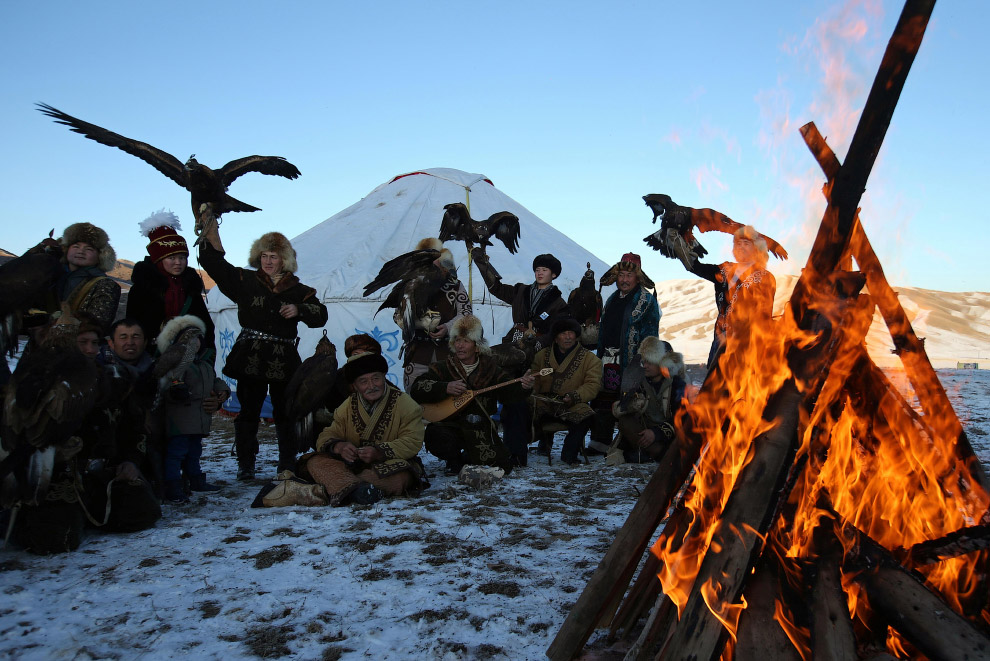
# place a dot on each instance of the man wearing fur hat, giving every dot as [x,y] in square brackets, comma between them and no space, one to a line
[646,413]
[271,301]
[164,285]
[370,449]
[575,381]
[630,315]
[85,285]
[468,436]
[429,339]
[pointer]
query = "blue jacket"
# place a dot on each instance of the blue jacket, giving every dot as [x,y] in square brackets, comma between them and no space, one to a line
[642,319]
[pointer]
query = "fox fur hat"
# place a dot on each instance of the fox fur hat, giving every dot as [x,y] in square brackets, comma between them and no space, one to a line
[277,243]
[175,327]
[94,236]
[469,327]
[446,257]
[630,262]
[655,351]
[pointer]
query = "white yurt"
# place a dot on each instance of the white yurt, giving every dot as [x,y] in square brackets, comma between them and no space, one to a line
[339,256]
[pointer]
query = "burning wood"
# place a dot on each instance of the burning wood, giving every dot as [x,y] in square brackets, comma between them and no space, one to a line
[812,455]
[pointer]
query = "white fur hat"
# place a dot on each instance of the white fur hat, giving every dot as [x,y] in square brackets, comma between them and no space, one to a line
[469,326]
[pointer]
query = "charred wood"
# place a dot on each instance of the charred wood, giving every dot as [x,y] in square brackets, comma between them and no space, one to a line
[760,636]
[921,617]
[736,542]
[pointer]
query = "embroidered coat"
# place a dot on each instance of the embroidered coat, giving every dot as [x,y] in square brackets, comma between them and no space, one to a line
[578,375]
[394,426]
[472,422]
[452,303]
[258,302]
[548,309]
[641,319]
[91,291]
[146,299]
[749,300]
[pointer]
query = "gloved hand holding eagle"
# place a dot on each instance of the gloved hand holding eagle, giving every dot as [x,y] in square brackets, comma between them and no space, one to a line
[675,238]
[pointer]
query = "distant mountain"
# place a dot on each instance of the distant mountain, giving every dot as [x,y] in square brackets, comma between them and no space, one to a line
[955,325]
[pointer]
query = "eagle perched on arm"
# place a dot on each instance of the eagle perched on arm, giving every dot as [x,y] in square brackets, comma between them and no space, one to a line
[207,186]
[419,274]
[675,238]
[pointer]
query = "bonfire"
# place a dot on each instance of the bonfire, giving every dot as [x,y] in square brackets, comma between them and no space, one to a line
[810,511]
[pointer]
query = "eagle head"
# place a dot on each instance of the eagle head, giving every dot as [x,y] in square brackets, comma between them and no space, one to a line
[659,204]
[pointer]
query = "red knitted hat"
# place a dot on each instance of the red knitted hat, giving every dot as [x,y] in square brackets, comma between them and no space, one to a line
[163,239]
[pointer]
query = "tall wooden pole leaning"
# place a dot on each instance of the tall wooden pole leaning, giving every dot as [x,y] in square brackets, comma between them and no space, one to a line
[832,241]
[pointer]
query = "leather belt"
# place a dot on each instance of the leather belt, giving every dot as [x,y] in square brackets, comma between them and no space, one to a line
[251,334]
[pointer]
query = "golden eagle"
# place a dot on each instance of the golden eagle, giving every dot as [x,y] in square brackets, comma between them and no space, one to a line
[308,391]
[207,186]
[458,224]
[675,238]
[419,275]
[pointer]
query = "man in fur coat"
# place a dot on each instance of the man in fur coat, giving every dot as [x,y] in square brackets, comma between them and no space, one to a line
[630,315]
[575,381]
[164,285]
[271,301]
[468,436]
[449,303]
[646,415]
[84,284]
[369,450]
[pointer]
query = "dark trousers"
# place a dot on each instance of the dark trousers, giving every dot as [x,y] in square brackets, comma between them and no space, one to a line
[574,440]
[182,456]
[251,395]
[516,429]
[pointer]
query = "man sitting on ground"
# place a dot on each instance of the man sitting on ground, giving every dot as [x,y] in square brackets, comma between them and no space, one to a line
[369,450]
[468,436]
[564,394]
[645,433]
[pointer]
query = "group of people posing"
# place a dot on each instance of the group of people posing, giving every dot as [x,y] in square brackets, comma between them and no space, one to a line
[140,442]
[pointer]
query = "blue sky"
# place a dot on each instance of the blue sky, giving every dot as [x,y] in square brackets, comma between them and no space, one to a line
[574,109]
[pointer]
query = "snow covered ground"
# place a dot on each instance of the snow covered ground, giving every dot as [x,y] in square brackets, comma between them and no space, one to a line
[454,574]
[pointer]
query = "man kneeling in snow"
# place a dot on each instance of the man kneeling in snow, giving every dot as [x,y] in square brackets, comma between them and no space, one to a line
[369,450]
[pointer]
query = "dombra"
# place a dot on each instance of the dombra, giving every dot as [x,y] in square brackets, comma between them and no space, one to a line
[440,410]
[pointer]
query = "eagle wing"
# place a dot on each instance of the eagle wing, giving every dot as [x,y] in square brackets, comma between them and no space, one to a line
[455,223]
[505,227]
[275,165]
[707,220]
[403,267]
[162,161]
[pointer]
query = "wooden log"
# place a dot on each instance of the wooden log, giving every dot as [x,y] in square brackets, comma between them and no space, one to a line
[614,572]
[909,347]
[832,637]
[647,585]
[849,183]
[760,636]
[963,541]
[699,634]
[661,615]
[921,617]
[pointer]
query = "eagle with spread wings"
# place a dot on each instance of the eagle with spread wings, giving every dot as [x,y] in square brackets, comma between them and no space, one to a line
[675,238]
[458,224]
[207,186]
